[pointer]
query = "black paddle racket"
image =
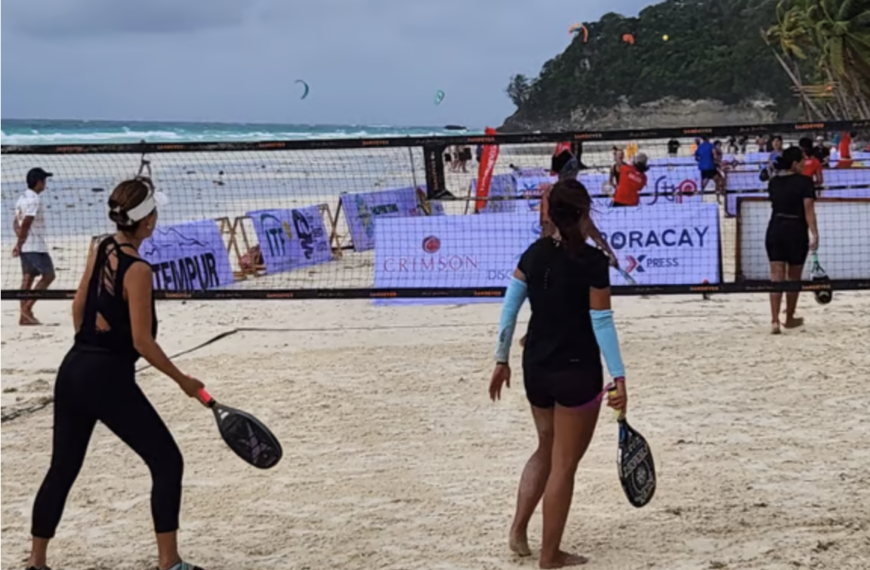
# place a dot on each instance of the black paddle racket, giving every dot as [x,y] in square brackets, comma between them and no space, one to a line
[245,434]
[819,277]
[634,463]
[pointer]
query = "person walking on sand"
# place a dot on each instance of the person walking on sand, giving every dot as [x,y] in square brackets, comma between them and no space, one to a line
[567,282]
[30,246]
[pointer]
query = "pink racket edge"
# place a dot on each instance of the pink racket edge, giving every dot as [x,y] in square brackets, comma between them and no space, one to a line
[204,396]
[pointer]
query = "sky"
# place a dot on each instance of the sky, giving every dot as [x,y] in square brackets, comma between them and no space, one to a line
[368,62]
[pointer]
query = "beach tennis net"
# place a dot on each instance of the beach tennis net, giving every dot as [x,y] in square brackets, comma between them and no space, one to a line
[440,218]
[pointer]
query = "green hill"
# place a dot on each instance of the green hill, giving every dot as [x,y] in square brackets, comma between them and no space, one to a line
[714,54]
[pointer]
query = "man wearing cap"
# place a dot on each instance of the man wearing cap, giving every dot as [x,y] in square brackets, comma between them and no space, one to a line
[31,248]
[632,179]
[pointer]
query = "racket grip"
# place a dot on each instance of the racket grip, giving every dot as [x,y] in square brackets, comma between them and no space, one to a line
[204,397]
[617,414]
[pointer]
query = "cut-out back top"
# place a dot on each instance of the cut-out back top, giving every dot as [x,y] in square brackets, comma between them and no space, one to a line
[105,298]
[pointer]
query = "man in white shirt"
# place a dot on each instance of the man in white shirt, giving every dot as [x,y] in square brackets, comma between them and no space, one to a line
[31,247]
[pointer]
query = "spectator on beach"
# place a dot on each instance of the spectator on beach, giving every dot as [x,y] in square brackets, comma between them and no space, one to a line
[464,158]
[845,150]
[478,153]
[705,156]
[761,143]
[30,247]
[822,151]
[774,153]
[673,148]
[742,143]
[812,166]
[616,167]
[632,180]
[732,145]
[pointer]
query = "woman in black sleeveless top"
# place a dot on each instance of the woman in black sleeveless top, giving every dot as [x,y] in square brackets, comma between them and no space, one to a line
[787,241]
[115,323]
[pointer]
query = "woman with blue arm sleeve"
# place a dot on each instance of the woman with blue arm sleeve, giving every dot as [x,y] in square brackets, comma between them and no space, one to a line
[567,283]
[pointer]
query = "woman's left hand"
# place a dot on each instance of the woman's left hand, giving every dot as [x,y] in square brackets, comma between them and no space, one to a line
[501,376]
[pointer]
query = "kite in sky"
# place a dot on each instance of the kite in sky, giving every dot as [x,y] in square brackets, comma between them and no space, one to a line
[305,85]
[439,96]
[579,28]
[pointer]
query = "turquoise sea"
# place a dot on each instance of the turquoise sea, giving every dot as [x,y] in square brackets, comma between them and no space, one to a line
[42,131]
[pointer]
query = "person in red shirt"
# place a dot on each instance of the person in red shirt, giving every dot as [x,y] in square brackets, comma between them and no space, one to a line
[632,179]
[845,160]
[812,166]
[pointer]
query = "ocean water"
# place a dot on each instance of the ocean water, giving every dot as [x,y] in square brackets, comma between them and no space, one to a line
[41,131]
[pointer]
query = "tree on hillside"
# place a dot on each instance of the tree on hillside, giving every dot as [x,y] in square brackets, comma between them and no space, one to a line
[519,89]
[833,36]
[712,51]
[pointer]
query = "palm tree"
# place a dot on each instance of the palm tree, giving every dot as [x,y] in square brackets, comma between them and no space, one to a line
[835,35]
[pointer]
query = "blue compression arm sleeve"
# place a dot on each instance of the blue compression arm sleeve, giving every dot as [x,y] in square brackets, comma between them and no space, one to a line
[510,309]
[605,334]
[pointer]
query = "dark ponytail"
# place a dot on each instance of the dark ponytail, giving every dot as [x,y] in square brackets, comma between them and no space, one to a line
[126,196]
[569,208]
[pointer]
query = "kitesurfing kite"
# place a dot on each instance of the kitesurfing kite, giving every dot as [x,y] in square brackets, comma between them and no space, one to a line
[579,28]
[305,86]
[439,96]
[628,38]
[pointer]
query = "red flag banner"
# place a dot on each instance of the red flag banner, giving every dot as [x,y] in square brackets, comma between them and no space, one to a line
[484,172]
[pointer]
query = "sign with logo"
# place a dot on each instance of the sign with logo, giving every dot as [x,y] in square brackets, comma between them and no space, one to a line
[679,244]
[290,239]
[361,209]
[188,257]
[502,192]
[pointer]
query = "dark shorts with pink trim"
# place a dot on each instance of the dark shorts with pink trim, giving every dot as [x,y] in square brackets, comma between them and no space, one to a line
[570,388]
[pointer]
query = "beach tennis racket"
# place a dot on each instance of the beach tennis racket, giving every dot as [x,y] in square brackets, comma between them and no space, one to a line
[820,278]
[634,463]
[628,278]
[245,434]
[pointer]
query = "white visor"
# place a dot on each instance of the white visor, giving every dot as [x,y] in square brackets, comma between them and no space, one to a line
[150,204]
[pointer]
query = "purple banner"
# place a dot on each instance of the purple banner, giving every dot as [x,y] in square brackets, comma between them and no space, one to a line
[290,239]
[188,257]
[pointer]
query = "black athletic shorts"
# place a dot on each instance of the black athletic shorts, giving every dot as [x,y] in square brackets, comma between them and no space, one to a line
[787,241]
[570,388]
[709,174]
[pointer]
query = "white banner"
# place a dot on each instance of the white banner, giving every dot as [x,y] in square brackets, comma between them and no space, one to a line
[844,229]
[673,244]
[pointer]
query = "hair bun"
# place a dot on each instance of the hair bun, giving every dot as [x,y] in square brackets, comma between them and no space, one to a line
[119,216]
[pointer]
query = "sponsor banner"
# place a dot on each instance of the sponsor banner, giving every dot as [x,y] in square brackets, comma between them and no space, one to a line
[664,186]
[188,257]
[853,177]
[501,194]
[844,226]
[361,209]
[290,239]
[677,246]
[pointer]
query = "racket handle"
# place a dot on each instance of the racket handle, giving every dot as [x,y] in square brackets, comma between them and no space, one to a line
[204,397]
[617,414]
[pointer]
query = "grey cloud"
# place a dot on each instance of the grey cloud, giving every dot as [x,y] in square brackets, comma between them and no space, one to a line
[71,18]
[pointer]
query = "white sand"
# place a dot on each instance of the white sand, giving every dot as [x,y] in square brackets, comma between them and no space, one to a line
[395,458]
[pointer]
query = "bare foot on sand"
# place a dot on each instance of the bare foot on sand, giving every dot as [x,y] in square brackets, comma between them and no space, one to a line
[774,329]
[28,320]
[793,322]
[519,544]
[563,560]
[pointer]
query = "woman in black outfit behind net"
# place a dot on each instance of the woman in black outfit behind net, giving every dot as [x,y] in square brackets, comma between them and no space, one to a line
[115,323]
[792,220]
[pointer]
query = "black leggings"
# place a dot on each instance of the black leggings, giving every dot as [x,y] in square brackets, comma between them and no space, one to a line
[99,386]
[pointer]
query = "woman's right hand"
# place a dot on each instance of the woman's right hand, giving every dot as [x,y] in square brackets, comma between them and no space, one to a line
[619,400]
[814,243]
[191,386]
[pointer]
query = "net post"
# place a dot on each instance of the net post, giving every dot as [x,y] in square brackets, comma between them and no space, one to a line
[252,267]
[336,240]
[436,183]
[228,228]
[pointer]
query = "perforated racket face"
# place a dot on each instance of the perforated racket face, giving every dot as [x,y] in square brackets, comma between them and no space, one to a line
[248,437]
[637,471]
